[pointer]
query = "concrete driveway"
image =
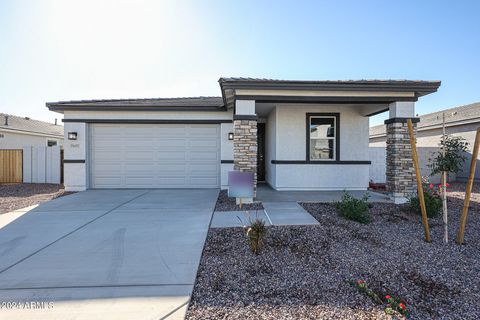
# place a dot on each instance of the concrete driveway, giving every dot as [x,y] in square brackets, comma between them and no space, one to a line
[105,254]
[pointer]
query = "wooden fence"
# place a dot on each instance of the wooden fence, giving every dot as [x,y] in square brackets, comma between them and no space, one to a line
[11,166]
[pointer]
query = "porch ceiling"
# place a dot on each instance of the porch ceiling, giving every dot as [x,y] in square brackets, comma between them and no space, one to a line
[262,109]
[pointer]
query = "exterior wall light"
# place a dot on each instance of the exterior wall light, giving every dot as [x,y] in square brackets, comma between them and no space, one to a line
[230,136]
[72,136]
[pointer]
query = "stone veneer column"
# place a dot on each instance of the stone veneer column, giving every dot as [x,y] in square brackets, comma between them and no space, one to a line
[400,171]
[245,148]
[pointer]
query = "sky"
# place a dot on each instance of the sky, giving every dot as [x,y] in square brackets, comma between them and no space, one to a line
[69,50]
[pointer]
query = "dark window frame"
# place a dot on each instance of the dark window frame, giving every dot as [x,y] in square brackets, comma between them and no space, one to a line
[52,143]
[336,115]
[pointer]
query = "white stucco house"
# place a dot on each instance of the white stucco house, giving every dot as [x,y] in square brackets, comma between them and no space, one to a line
[19,132]
[295,135]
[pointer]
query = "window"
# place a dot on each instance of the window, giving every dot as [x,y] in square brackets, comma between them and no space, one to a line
[51,143]
[322,137]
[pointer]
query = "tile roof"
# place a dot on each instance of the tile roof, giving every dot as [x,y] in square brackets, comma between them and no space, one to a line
[30,125]
[151,102]
[361,81]
[453,115]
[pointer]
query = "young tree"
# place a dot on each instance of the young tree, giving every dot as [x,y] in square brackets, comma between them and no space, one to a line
[448,160]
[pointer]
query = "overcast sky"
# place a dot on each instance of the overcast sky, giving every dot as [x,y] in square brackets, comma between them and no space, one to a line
[66,50]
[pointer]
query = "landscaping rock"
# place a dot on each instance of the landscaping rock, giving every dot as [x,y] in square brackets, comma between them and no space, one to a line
[303,271]
[224,203]
[17,196]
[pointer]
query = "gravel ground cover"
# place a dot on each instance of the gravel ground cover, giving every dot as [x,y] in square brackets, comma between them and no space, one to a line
[17,196]
[224,203]
[303,272]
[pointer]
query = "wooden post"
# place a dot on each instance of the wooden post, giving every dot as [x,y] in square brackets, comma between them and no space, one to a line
[444,188]
[468,191]
[419,181]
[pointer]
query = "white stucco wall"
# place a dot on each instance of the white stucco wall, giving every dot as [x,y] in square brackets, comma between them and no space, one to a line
[151,115]
[271,147]
[226,153]
[291,145]
[12,140]
[75,174]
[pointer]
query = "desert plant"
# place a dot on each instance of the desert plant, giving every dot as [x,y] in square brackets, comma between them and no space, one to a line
[433,202]
[354,209]
[394,305]
[255,231]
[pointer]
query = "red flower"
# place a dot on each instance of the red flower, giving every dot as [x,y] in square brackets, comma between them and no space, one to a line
[448,185]
[431,186]
[360,281]
[401,305]
[388,297]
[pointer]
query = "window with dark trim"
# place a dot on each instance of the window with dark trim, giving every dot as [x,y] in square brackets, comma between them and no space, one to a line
[51,143]
[323,137]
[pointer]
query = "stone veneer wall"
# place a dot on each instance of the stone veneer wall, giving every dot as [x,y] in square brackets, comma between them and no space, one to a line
[245,147]
[400,171]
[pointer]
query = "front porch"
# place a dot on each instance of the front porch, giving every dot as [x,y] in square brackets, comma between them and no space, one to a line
[313,136]
[265,193]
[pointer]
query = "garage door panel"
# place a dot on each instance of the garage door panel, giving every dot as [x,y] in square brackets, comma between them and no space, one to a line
[172,182]
[172,155]
[139,181]
[108,181]
[203,143]
[139,155]
[164,142]
[107,154]
[109,167]
[203,155]
[203,169]
[203,182]
[171,130]
[204,131]
[154,156]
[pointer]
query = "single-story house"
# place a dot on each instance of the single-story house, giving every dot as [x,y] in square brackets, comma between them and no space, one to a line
[19,132]
[295,135]
[459,121]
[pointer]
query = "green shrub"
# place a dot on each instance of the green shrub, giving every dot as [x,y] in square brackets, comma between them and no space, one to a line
[354,209]
[255,230]
[433,203]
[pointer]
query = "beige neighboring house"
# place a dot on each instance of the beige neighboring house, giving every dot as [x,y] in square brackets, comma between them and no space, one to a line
[460,121]
[19,132]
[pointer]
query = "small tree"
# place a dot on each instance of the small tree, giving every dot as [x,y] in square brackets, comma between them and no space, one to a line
[449,159]
[451,156]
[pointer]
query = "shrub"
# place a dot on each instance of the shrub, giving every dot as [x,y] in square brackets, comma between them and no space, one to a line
[354,209]
[433,203]
[255,231]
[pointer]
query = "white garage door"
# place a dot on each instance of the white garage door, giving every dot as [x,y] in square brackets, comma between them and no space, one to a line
[154,156]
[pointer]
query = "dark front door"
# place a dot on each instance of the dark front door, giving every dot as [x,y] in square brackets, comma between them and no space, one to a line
[261,152]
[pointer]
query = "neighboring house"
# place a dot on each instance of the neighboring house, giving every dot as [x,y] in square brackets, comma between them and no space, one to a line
[19,132]
[460,121]
[296,135]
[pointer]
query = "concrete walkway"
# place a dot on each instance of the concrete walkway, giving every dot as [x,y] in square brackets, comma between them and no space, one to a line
[274,214]
[106,254]
[267,194]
